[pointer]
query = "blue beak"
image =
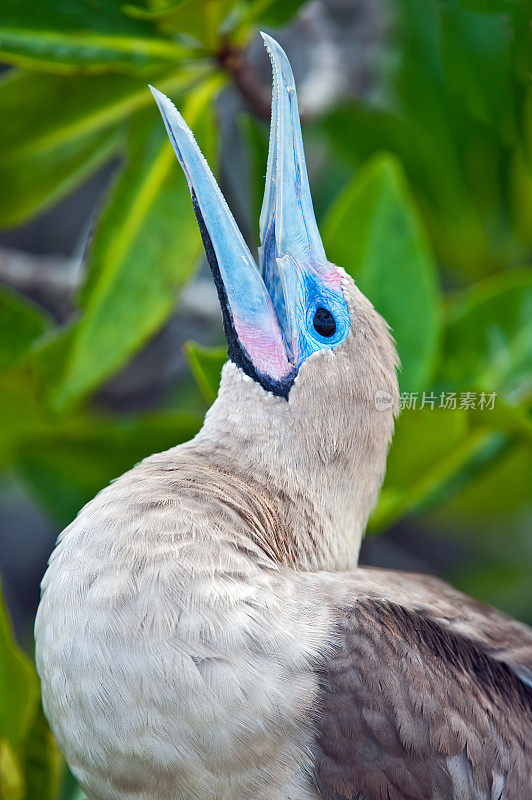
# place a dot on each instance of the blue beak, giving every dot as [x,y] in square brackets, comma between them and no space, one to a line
[267,313]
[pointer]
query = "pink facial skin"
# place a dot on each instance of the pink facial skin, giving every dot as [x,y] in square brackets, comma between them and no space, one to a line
[330,276]
[264,347]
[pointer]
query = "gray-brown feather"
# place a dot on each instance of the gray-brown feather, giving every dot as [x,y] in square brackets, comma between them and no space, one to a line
[411,710]
[496,633]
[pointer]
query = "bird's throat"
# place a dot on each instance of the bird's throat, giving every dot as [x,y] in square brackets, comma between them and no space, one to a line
[298,510]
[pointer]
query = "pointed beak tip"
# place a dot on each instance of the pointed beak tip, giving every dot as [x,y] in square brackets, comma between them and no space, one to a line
[161,99]
[272,44]
[268,40]
[169,112]
[155,92]
[287,221]
[282,70]
[275,51]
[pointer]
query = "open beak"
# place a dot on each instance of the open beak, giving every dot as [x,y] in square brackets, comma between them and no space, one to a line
[260,306]
[292,253]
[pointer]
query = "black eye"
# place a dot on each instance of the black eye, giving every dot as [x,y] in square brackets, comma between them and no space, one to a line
[324,322]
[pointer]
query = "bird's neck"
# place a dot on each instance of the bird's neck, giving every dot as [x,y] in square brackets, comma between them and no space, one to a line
[304,509]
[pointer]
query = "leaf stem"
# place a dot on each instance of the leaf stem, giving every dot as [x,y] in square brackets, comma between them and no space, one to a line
[257,96]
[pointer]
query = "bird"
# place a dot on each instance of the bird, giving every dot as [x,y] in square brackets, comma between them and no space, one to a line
[205,631]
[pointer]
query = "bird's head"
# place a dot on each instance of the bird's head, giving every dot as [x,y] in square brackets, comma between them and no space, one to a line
[310,386]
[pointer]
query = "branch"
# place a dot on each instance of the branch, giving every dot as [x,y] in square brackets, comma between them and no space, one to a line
[257,96]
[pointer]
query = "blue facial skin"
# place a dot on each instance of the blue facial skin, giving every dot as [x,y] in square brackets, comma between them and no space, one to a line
[297,291]
[315,295]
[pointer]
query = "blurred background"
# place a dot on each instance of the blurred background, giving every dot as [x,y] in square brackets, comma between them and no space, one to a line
[417,120]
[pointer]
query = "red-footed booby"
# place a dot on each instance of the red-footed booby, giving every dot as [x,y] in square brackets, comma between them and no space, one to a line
[204,631]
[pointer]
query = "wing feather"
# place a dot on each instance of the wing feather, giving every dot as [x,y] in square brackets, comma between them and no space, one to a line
[410,709]
[497,634]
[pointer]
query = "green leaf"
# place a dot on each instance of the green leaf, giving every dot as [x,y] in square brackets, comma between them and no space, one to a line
[11,778]
[65,465]
[272,12]
[358,132]
[145,248]
[70,789]
[488,337]
[206,365]
[21,322]
[514,421]
[444,446]
[255,136]
[197,20]
[476,60]
[46,146]
[491,6]
[498,490]
[451,97]
[42,761]
[141,12]
[497,581]
[494,568]
[56,131]
[373,230]
[20,411]
[435,430]
[80,36]
[438,453]
[18,686]
[77,795]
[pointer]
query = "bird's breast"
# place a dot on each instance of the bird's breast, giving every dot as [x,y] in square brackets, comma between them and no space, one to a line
[168,655]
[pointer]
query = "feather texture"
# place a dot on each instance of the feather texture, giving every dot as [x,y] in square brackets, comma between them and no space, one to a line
[412,710]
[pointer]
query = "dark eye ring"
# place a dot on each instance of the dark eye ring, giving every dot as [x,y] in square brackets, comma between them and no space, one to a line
[324,323]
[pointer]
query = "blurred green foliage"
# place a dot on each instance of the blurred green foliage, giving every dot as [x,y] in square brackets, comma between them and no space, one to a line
[430,210]
[458,113]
